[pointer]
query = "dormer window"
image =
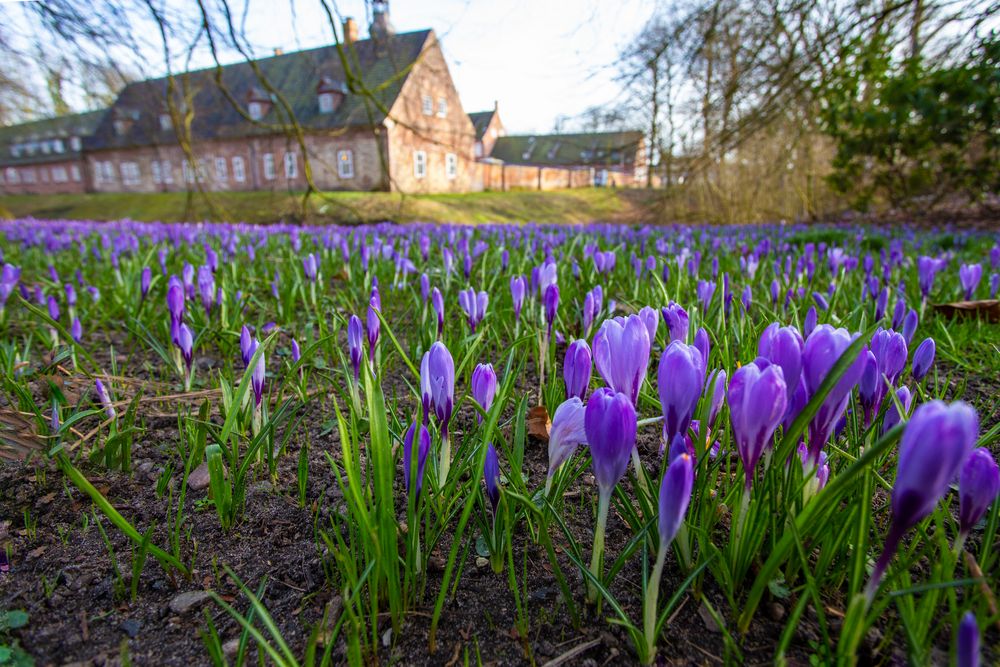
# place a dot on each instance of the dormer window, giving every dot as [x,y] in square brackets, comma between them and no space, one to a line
[121,127]
[57,146]
[75,143]
[258,103]
[256,110]
[330,93]
[165,122]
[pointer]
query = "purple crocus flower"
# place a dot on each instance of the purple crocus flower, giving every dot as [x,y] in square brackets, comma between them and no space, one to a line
[927,269]
[892,416]
[822,350]
[296,352]
[310,267]
[701,342]
[651,319]
[758,400]
[936,442]
[550,301]
[484,387]
[53,308]
[491,475]
[423,447]
[994,286]
[247,345]
[566,434]
[374,325]
[437,302]
[76,330]
[812,317]
[437,372]
[910,325]
[518,287]
[970,275]
[680,379]
[425,287]
[610,426]
[967,645]
[354,344]
[70,294]
[257,376]
[783,346]
[185,343]
[104,399]
[144,280]
[705,291]
[675,494]
[677,321]
[923,359]
[621,354]
[978,485]
[206,288]
[577,368]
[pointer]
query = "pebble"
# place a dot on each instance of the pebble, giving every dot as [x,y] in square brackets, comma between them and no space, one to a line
[130,627]
[199,478]
[231,647]
[482,562]
[144,467]
[776,611]
[187,601]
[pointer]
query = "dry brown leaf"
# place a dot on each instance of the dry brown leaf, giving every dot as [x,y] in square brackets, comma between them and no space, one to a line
[538,423]
[988,309]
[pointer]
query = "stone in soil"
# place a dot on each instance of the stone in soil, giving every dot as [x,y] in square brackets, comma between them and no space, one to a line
[187,601]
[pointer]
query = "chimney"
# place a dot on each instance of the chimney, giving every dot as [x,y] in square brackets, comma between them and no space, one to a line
[381,27]
[350,30]
[278,51]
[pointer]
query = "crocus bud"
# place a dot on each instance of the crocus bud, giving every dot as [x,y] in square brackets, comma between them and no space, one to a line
[491,475]
[567,432]
[757,402]
[610,425]
[936,442]
[518,287]
[423,447]
[822,350]
[374,326]
[70,294]
[970,275]
[550,301]
[310,267]
[621,354]
[437,372]
[967,649]
[185,342]
[923,359]
[701,342]
[811,318]
[675,494]
[978,485]
[53,308]
[679,380]
[354,343]
[76,330]
[892,416]
[651,320]
[257,377]
[247,345]
[677,321]
[783,346]
[437,302]
[577,368]
[484,386]
[104,399]
[296,352]
[425,287]
[144,280]
[175,298]
[910,325]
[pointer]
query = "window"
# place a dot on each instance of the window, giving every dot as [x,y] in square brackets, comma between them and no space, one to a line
[154,170]
[326,102]
[29,176]
[291,165]
[74,171]
[256,110]
[130,173]
[57,144]
[202,170]
[187,171]
[44,174]
[269,166]
[75,143]
[165,122]
[345,164]
[479,149]
[121,127]
[12,176]
[166,172]
[428,105]
[107,171]
[239,173]
[419,164]
[221,170]
[46,147]
[59,175]
[451,165]
[442,107]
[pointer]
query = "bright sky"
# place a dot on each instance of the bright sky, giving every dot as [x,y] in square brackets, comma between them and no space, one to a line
[539,58]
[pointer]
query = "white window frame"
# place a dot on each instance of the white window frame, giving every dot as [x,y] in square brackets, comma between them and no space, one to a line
[107,171]
[291,162]
[345,163]
[442,107]
[451,166]
[268,160]
[166,171]
[166,123]
[427,105]
[326,102]
[239,170]
[419,164]
[13,177]
[154,170]
[75,144]
[221,169]
[58,145]
[59,174]
[255,110]
[187,172]
[29,176]
[74,172]
[130,173]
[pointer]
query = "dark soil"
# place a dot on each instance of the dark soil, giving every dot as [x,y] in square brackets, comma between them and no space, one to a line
[62,574]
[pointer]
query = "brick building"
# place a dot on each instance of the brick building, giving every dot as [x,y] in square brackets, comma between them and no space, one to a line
[46,156]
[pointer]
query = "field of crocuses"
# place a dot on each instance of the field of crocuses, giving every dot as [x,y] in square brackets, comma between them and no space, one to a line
[428,444]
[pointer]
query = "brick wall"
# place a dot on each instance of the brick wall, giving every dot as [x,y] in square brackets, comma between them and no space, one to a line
[411,131]
[503,177]
[49,178]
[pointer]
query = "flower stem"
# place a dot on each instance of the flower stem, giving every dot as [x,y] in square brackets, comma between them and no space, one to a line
[604,501]
[445,462]
[649,611]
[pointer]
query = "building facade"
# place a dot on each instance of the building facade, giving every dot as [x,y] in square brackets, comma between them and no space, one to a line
[46,156]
